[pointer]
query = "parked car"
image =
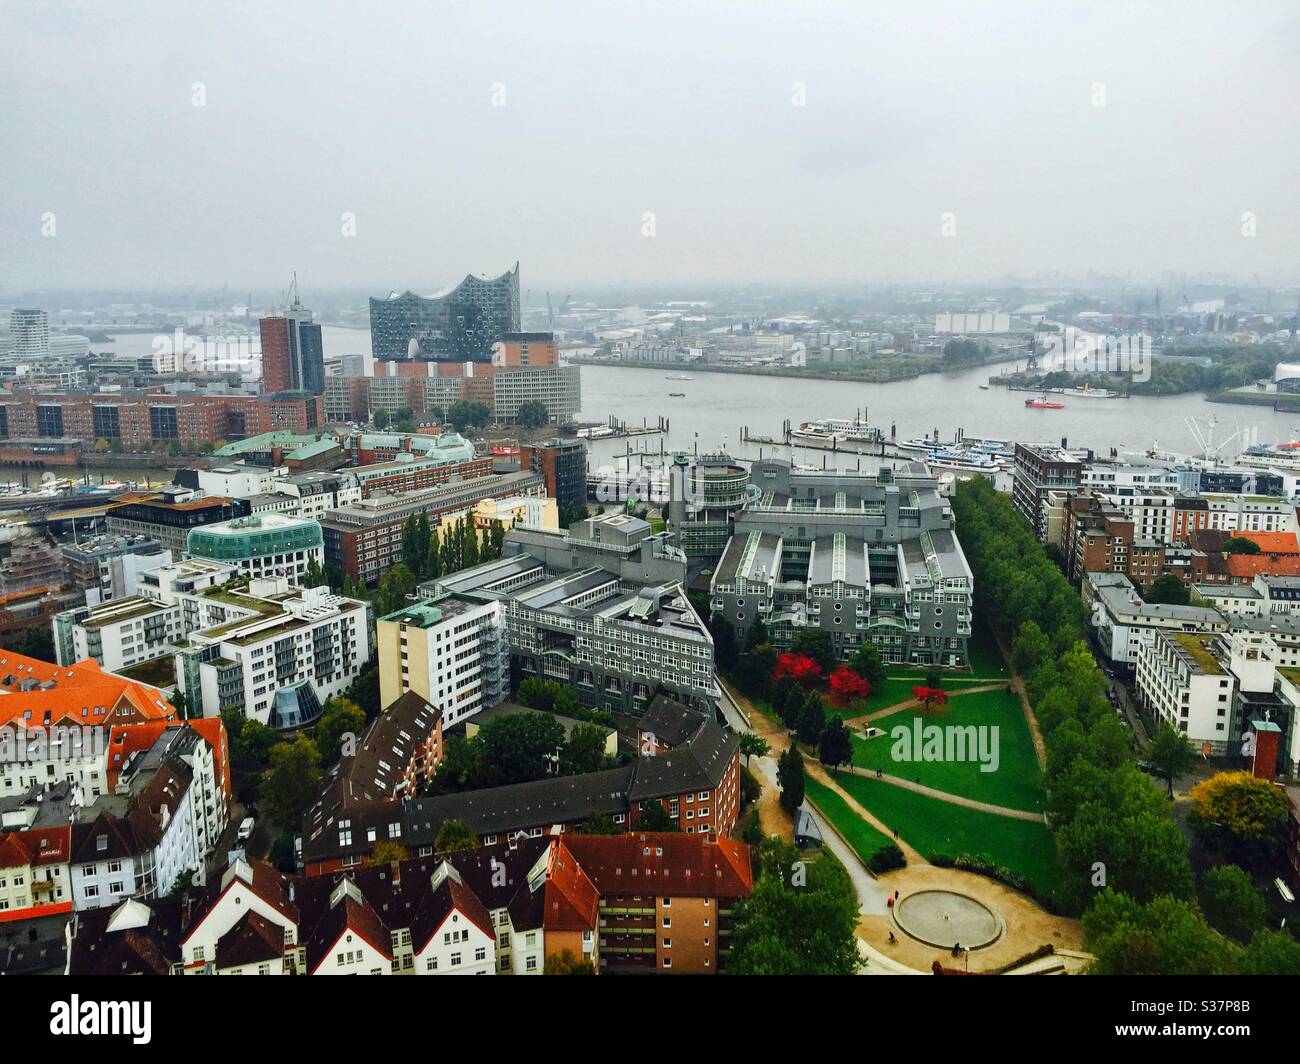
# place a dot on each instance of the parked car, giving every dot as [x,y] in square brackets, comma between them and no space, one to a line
[246,829]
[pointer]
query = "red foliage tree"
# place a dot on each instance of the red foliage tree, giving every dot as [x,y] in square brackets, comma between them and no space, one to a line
[930,697]
[846,685]
[798,667]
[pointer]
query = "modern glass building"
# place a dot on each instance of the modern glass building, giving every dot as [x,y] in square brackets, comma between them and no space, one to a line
[261,545]
[459,324]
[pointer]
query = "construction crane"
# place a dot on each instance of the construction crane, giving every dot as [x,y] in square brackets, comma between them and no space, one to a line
[550,311]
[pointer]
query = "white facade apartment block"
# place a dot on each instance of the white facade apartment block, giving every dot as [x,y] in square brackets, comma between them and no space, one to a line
[1250,513]
[117,634]
[1152,514]
[81,760]
[316,636]
[1182,679]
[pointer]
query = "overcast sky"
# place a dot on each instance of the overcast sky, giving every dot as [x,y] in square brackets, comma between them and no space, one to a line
[771,142]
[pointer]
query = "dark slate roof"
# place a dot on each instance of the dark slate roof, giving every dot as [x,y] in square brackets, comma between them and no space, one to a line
[669,721]
[498,810]
[148,950]
[251,940]
[393,737]
[698,764]
[34,946]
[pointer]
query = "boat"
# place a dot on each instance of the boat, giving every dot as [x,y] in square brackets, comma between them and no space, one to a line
[1091,393]
[962,460]
[1044,403]
[678,377]
[984,387]
[836,432]
[676,395]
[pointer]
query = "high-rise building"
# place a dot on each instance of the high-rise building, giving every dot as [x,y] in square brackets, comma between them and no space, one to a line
[30,330]
[458,324]
[293,357]
[563,465]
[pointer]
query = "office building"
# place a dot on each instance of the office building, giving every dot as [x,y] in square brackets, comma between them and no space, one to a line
[293,359]
[563,465]
[266,544]
[864,557]
[1039,470]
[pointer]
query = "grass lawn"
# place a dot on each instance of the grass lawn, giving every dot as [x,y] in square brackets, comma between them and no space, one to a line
[861,836]
[934,826]
[1017,783]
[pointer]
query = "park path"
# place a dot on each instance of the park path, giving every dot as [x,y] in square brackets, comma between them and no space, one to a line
[946,796]
[1018,685]
[912,703]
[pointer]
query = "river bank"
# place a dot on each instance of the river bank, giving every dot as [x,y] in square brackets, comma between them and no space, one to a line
[902,368]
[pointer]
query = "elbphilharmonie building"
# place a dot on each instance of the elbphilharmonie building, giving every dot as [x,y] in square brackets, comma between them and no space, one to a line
[457,324]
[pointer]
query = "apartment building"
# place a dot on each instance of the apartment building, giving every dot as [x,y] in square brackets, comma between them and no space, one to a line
[280,654]
[636,903]
[107,566]
[695,781]
[862,557]
[1124,623]
[1040,469]
[1181,678]
[452,651]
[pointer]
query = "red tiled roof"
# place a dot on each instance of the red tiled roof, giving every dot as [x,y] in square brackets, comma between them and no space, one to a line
[1272,542]
[665,863]
[1248,566]
[571,900]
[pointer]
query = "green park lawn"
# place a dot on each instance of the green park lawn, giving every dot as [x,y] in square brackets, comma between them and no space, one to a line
[934,826]
[1017,783]
[861,836]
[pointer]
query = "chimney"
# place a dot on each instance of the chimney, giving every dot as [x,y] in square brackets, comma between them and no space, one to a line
[291,891]
[397,872]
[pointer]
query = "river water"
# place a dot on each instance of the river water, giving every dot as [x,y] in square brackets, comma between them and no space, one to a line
[718,406]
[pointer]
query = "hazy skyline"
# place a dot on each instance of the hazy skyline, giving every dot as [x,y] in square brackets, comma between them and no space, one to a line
[771,143]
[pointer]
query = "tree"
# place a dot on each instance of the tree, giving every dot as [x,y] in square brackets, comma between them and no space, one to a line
[835,747]
[468,416]
[868,664]
[755,666]
[1168,589]
[314,576]
[339,718]
[1232,903]
[518,748]
[453,836]
[364,691]
[394,586]
[532,414]
[725,650]
[584,752]
[847,686]
[386,852]
[812,719]
[34,641]
[1170,754]
[283,853]
[752,745]
[790,778]
[289,786]
[1137,842]
[1161,937]
[930,697]
[1271,953]
[462,764]
[1240,545]
[1239,815]
[600,825]
[798,667]
[652,816]
[414,549]
[816,644]
[800,918]
[565,963]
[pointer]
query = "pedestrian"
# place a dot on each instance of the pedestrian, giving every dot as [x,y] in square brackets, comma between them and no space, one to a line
[895,832]
[892,939]
[889,903]
[895,895]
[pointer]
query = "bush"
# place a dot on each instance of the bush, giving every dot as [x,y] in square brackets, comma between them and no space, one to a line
[886,859]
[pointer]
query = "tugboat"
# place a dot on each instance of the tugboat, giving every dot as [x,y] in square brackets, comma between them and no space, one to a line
[1044,403]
